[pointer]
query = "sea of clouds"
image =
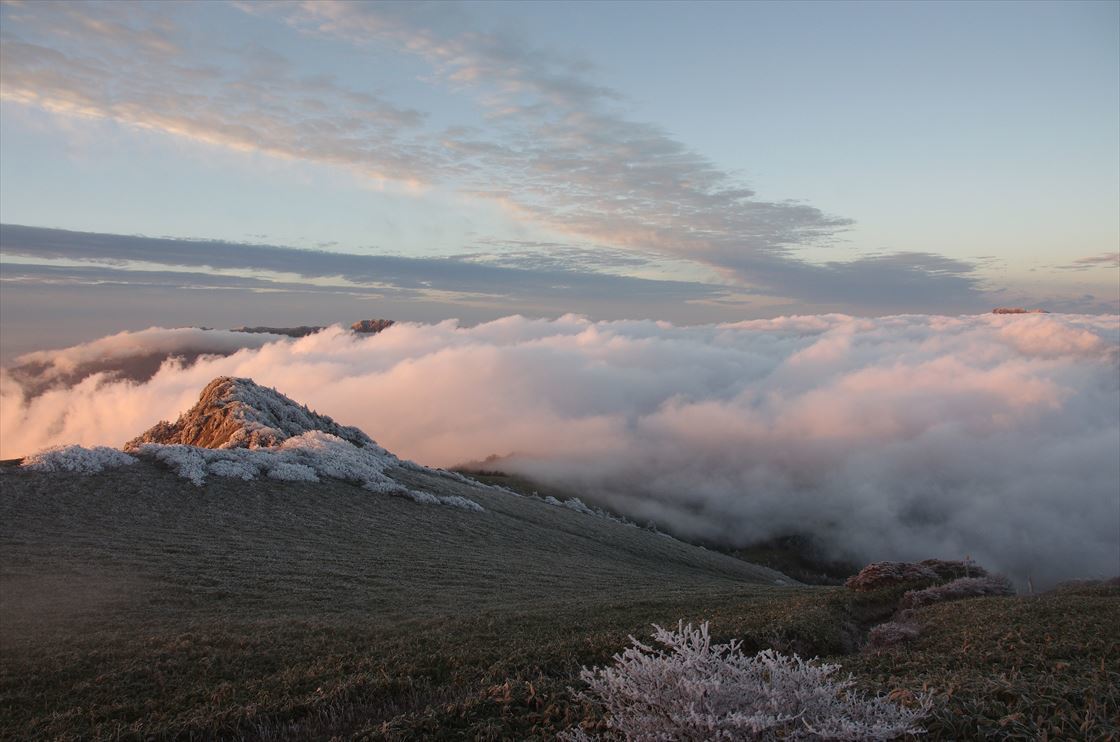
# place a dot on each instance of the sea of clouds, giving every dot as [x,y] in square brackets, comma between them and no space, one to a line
[991,436]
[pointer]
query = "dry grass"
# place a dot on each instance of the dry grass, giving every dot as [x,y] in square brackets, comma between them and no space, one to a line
[134,605]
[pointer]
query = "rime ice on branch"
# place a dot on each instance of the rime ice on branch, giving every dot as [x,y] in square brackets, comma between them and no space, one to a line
[695,690]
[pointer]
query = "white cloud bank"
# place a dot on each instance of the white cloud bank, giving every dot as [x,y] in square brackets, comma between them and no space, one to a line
[899,437]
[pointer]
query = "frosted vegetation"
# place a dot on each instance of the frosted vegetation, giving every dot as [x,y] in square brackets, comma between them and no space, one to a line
[77,459]
[579,506]
[303,458]
[694,690]
[244,430]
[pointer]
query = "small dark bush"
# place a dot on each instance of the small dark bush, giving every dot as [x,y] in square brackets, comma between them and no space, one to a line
[954,570]
[965,587]
[891,574]
[891,633]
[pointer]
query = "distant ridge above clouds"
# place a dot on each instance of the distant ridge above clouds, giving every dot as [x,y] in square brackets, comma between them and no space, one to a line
[130,356]
[138,356]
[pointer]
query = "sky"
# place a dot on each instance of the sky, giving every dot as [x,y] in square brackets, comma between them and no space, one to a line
[281,163]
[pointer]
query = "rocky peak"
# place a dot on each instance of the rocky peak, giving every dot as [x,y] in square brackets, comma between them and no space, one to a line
[371,326]
[239,413]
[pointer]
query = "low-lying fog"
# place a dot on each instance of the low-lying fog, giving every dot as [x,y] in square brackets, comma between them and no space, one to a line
[996,437]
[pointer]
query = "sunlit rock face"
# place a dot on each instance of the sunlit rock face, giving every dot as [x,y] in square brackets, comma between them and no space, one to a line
[239,413]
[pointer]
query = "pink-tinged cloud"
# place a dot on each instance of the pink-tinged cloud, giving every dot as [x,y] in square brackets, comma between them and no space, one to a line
[906,437]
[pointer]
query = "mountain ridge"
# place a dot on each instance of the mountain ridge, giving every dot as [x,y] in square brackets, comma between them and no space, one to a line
[236,412]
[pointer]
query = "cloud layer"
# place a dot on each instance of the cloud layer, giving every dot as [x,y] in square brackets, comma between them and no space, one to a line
[542,138]
[905,437]
[107,256]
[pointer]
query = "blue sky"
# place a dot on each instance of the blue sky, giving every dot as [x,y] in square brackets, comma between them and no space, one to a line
[868,158]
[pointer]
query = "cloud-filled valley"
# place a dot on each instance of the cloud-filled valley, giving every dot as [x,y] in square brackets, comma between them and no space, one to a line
[906,436]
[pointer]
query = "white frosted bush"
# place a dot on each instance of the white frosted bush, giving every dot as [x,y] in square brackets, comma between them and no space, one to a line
[303,458]
[292,472]
[580,506]
[186,461]
[424,498]
[455,501]
[694,690]
[237,469]
[77,459]
[574,503]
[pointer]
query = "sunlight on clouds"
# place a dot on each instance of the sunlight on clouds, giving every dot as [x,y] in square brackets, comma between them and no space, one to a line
[900,437]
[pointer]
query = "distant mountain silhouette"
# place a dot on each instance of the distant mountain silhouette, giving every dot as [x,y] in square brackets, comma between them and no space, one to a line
[292,332]
[371,326]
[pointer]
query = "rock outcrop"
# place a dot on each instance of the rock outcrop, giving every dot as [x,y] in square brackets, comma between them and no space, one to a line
[371,326]
[239,413]
[292,332]
[890,574]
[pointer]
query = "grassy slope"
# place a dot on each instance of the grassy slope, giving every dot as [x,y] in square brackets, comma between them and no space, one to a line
[136,605]
[1039,667]
[797,556]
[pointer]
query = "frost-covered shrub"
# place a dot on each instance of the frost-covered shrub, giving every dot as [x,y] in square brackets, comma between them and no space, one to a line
[965,587]
[579,506]
[889,574]
[186,461]
[694,690]
[236,469]
[331,456]
[574,503]
[891,633]
[303,458]
[287,472]
[454,501]
[77,459]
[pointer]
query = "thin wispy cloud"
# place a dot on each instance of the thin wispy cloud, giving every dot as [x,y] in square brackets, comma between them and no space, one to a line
[134,63]
[377,274]
[557,149]
[1103,260]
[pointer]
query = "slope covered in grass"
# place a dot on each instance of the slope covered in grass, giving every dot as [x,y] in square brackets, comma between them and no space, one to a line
[134,604]
[304,548]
